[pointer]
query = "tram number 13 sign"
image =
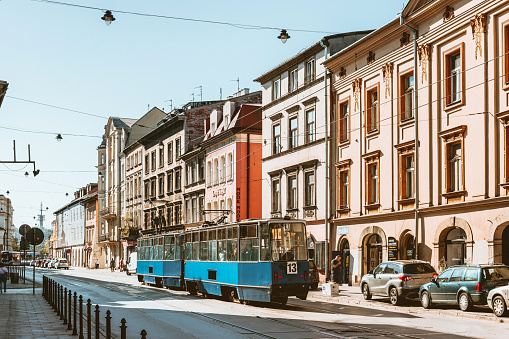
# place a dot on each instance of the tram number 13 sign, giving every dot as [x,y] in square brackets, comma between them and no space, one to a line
[291,267]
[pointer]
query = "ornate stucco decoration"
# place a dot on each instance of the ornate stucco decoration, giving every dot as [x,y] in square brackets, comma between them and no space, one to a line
[342,73]
[478,24]
[356,91]
[405,39]
[371,57]
[449,13]
[387,72]
[424,55]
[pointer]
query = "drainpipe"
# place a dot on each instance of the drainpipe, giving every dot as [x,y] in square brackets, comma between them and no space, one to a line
[325,45]
[248,176]
[416,117]
[119,193]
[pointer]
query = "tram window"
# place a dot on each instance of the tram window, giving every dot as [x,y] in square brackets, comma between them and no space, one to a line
[212,234]
[159,248]
[221,250]
[196,246]
[204,246]
[288,242]
[249,246]
[232,249]
[221,233]
[169,248]
[178,247]
[188,247]
[248,231]
[212,250]
[232,232]
[265,250]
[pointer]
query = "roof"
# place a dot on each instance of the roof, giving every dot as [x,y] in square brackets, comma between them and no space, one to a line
[306,53]
[414,5]
[144,125]
[3,89]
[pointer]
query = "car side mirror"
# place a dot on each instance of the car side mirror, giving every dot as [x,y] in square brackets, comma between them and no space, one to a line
[433,280]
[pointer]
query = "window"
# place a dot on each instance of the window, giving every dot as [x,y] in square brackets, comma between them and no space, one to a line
[170,152]
[276,89]
[177,214]
[372,183]
[153,160]
[188,174]
[230,166]
[309,182]
[455,165]
[201,202]
[276,139]
[213,128]
[147,164]
[177,148]
[292,192]
[372,161]
[453,77]
[216,171]
[407,97]
[293,80]
[294,133]
[310,126]
[310,71]
[226,120]
[201,169]
[229,208]
[177,180]
[193,172]
[161,185]
[209,170]
[169,182]
[223,169]
[344,121]
[372,113]
[161,157]
[153,188]
[408,176]
[276,195]
[343,179]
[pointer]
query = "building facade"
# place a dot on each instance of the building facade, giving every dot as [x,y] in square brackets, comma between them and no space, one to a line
[7,229]
[443,198]
[91,205]
[294,134]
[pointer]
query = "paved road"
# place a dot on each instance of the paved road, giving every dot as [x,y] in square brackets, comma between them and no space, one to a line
[167,313]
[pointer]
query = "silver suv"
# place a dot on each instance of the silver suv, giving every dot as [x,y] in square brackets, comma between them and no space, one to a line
[397,279]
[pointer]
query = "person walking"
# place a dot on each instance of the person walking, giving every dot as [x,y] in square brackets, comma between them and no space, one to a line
[336,269]
[112,265]
[121,265]
[4,274]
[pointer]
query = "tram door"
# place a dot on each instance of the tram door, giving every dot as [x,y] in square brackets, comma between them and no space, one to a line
[374,251]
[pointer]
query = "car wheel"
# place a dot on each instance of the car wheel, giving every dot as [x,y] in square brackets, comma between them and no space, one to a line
[464,302]
[365,292]
[127,272]
[499,307]
[394,297]
[426,300]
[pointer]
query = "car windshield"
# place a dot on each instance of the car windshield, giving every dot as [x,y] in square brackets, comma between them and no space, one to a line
[496,273]
[418,268]
[63,261]
[288,241]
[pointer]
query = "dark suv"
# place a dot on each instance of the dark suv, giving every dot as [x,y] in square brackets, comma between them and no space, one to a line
[463,285]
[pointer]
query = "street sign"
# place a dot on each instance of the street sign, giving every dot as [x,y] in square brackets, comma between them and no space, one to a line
[35,236]
[23,244]
[68,250]
[23,229]
[89,249]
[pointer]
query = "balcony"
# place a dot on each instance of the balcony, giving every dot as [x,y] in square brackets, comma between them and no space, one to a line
[107,237]
[107,213]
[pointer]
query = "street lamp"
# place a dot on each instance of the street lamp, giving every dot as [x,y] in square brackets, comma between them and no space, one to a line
[108,18]
[283,36]
[26,174]
[59,137]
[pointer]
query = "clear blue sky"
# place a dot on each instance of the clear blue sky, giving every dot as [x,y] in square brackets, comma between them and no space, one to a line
[68,57]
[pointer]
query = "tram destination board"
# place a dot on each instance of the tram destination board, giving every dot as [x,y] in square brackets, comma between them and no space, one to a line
[392,248]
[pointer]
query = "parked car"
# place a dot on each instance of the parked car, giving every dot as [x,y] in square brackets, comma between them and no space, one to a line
[397,279]
[52,263]
[498,298]
[314,276]
[62,263]
[132,263]
[464,285]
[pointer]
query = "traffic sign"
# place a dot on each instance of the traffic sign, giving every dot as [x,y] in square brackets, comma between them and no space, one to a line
[35,236]
[89,249]
[23,244]
[68,250]
[23,229]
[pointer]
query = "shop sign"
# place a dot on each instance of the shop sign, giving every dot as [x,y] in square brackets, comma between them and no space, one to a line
[392,248]
[343,230]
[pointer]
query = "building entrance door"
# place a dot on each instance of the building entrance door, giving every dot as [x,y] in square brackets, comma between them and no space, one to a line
[455,246]
[374,251]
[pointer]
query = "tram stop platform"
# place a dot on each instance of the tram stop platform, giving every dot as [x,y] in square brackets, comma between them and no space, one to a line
[24,315]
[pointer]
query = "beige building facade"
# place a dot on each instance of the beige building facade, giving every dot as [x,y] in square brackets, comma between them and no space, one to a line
[443,199]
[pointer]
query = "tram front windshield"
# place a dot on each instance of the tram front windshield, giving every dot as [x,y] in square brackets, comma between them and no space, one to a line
[288,241]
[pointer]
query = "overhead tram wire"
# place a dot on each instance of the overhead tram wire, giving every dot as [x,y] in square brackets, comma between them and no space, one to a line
[159,16]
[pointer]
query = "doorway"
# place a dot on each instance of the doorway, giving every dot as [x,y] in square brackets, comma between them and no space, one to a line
[455,247]
[374,251]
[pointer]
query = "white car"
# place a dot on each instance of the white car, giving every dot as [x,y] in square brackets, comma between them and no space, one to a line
[62,263]
[498,300]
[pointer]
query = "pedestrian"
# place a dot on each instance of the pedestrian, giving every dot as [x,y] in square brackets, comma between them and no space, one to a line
[4,274]
[121,265]
[336,269]
[112,265]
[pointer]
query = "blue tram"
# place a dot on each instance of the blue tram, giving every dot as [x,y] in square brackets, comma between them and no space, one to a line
[252,260]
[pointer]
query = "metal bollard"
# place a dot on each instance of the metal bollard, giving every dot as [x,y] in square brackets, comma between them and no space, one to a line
[65,306]
[75,328]
[61,300]
[81,317]
[89,319]
[57,295]
[108,324]
[123,328]
[97,321]
[69,318]
[143,334]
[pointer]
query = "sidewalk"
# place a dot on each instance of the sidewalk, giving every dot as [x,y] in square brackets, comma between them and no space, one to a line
[352,295]
[23,315]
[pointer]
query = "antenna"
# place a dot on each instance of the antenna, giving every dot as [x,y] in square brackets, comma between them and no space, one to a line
[193,96]
[201,92]
[148,107]
[171,103]
[220,93]
[238,84]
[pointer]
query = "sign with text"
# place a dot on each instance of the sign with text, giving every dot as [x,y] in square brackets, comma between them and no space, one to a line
[343,230]
[392,248]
